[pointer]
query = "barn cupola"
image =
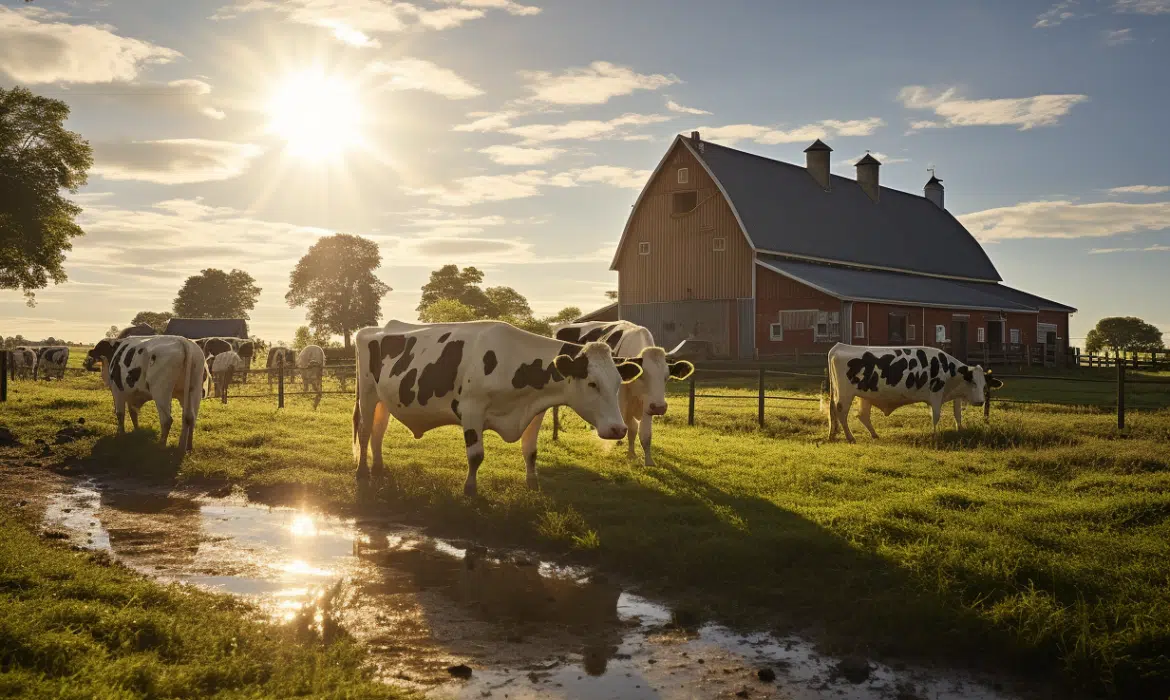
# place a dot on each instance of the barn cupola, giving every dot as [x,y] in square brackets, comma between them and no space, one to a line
[934,191]
[867,176]
[816,159]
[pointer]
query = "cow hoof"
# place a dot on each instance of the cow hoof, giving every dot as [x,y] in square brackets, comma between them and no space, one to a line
[533,483]
[469,490]
[651,463]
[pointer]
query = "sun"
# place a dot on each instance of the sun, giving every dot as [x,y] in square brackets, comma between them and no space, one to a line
[318,115]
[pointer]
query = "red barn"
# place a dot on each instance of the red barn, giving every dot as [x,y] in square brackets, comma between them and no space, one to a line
[762,257]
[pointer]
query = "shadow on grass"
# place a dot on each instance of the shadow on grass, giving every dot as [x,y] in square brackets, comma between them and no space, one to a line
[135,455]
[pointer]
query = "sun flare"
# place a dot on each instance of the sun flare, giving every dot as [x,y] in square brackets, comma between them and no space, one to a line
[316,114]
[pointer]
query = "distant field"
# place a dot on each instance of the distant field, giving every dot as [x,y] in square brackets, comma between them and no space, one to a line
[1038,542]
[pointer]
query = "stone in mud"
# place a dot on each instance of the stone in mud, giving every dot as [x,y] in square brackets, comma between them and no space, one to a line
[70,433]
[766,675]
[7,439]
[743,693]
[853,669]
[462,671]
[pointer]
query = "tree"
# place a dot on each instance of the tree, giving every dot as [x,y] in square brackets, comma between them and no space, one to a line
[113,332]
[217,294]
[306,336]
[566,315]
[39,158]
[612,295]
[155,319]
[336,281]
[447,311]
[1127,333]
[505,301]
[449,282]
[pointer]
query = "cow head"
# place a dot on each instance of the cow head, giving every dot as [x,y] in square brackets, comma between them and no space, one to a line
[102,352]
[593,379]
[657,369]
[977,384]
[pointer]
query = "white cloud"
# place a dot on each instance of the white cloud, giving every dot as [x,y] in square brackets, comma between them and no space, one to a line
[173,161]
[581,129]
[1022,112]
[1066,219]
[35,48]
[508,6]
[478,189]
[769,135]
[1140,189]
[184,94]
[1056,14]
[885,159]
[1157,248]
[592,85]
[681,109]
[521,155]
[488,121]
[419,74]
[1142,7]
[1117,37]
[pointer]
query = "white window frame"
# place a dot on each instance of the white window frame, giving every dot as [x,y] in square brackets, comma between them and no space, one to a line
[859,329]
[940,333]
[719,244]
[1014,336]
[911,332]
[776,331]
[980,335]
[644,248]
[684,176]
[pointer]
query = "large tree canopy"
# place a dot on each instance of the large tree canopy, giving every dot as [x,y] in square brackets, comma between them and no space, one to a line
[217,294]
[452,295]
[39,158]
[336,281]
[449,282]
[1124,333]
[155,319]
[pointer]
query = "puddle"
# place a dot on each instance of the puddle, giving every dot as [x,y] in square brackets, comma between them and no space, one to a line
[526,628]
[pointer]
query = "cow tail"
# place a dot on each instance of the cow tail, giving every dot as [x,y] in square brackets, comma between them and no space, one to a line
[829,388]
[357,420]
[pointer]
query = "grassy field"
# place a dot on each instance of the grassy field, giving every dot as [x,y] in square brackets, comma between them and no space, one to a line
[1038,543]
[75,625]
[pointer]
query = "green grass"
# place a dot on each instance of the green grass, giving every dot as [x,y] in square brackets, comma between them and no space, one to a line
[75,625]
[1038,543]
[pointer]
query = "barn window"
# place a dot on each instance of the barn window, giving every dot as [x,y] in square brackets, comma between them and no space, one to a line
[981,335]
[828,326]
[684,202]
[859,329]
[668,325]
[719,244]
[776,331]
[896,333]
[911,333]
[684,176]
[1014,334]
[940,334]
[644,248]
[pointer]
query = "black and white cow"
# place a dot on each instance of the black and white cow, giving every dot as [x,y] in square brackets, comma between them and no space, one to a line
[311,365]
[153,368]
[52,360]
[641,399]
[24,362]
[481,375]
[277,356]
[889,378]
[141,329]
[223,367]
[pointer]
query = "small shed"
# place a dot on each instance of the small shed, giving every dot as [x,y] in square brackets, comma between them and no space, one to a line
[605,313]
[196,328]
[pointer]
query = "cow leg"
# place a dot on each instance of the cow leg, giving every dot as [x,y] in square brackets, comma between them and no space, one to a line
[630,417]
[528,444]
[863,416]
[381,421]
[645,429]
[844,403]
[120,413]
[473,438]
[936,415]
[959,414]
[162,393]
[363,426]
[133,406]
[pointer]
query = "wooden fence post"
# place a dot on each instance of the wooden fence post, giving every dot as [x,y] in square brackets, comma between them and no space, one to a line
[280,385]
[3,375]
[223,397]
[1121,396]
[987,406]
[556,423]
[1153,360]
[691,401]
[761,406]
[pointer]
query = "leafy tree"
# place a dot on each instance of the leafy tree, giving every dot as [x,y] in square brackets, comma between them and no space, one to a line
[1127,333]
[505,301]
[305,336]
[565,315]
[39,158]
[113,332]
[155,319]
[447,311]
[217,294]
[449,282]
[336,281]
[612,295]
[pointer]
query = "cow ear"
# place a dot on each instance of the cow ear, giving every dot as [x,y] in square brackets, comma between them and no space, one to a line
[681,370]
[994,383]
[629,371]
[576,367]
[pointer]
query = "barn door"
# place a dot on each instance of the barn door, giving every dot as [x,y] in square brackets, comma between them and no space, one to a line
[959,339]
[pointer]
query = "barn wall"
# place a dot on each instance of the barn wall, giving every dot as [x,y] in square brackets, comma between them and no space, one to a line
[682,264]
[673,322]
[776,293]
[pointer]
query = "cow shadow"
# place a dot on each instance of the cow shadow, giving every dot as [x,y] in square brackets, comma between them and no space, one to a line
[750,563]
[136,455]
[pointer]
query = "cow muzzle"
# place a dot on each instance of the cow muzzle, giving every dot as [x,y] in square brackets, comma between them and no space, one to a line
[656,409]
[613,432]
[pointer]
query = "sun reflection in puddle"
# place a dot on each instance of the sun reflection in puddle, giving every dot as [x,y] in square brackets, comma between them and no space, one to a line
[303,526]
[302,568]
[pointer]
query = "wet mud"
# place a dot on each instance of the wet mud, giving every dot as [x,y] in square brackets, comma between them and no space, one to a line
[456,620]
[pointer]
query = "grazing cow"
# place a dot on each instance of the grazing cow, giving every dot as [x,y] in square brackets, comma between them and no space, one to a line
[24,362]
[889,378]
[277,358]
[222,367]
[311,363]
[153,368]
[640,400]
[481,375]
[52,359]
[141,329]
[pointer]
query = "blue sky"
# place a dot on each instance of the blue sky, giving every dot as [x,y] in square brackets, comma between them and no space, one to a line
[515,135]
